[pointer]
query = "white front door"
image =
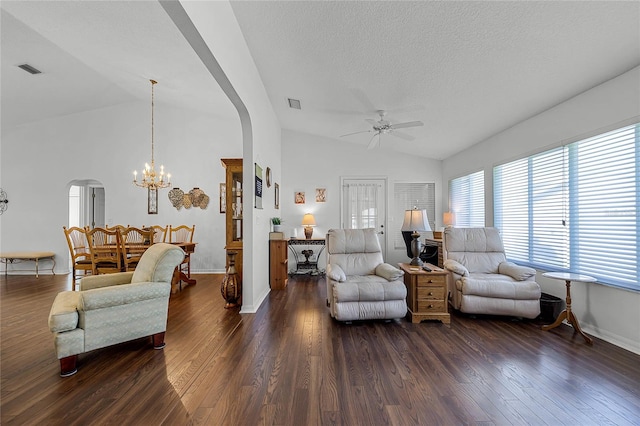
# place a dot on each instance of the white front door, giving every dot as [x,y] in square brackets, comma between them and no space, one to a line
[363,205]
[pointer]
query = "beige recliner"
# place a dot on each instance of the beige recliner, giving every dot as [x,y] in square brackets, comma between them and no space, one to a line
[482,281]
[360,286]
[115,308]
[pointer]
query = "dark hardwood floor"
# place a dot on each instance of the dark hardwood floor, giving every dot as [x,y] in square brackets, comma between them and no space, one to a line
[291,364]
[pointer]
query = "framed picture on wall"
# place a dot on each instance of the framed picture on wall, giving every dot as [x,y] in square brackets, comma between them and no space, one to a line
[299,197]
[223,199]
[321,195]
[277,195]
[258,186]
[152,201]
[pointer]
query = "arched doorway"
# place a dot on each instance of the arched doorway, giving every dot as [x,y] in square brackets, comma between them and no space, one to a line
[86,203]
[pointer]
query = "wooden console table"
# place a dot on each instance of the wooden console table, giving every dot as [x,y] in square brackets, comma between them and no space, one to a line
[568,314]
[426,293]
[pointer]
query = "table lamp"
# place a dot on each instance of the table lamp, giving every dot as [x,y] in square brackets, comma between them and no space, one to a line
[416,221]
[308,221]
[448,219]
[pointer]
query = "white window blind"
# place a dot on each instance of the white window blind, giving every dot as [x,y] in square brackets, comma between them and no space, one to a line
[575,208]
[407,196]
[466,198]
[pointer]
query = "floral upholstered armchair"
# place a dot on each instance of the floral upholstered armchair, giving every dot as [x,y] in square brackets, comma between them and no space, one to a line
[115,308]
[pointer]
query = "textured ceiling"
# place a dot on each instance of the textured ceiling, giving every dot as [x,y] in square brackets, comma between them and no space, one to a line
[466,69]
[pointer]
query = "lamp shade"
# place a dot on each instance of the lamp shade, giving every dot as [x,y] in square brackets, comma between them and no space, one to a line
[416,220]
[448,218]
[308,220]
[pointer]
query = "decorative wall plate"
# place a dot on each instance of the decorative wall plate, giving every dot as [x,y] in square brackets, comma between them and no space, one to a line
[268,176]
[4,202]
[176,196]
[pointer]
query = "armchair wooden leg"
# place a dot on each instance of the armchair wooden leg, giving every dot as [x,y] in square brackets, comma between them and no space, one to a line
[158,340]
[68,366]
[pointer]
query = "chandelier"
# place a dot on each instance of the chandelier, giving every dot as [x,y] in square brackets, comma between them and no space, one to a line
[150,178]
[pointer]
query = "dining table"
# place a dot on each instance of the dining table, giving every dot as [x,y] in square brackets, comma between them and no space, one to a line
[179,276]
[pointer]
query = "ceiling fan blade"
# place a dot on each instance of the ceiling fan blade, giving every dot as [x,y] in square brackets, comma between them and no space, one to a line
[371,121]
[402,136]
[373,142]
[355,133]
[408,124]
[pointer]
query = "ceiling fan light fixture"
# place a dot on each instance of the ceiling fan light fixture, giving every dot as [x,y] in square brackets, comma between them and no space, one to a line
[28,68]
[294,103]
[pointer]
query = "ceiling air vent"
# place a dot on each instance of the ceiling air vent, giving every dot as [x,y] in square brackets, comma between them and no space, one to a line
[28,68]
[294,103]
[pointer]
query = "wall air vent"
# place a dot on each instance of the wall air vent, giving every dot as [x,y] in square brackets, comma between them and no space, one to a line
[294,103]
[28,68]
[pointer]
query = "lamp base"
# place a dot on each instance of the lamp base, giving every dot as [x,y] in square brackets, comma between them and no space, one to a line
[415,249]
[308,232]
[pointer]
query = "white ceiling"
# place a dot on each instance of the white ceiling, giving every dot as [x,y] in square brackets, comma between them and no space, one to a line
[466,69]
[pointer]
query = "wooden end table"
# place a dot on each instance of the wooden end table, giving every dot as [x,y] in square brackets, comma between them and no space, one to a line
[426,293]
[567,313]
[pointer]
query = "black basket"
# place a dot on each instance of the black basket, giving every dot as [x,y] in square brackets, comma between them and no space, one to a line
[550,307]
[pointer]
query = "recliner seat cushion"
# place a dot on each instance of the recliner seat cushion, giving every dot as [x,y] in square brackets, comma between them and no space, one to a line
[368,288]
[498,286]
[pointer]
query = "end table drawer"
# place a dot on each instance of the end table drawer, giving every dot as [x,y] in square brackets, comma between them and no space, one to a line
[427,306]
[431,292]
[431,280]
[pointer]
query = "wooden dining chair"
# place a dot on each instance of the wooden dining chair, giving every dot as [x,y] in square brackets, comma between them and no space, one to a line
[79,250]
[134,242]
[183,234]
[159,233]
[106,250]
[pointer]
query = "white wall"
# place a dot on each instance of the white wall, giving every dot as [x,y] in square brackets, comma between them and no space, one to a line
[39,161]
[310,162]
[606,312]
[219,29]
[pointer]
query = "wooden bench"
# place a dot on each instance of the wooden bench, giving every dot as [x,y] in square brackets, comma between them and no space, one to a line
[24,256]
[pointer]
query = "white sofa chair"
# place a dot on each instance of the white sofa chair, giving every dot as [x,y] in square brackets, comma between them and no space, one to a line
[115,308]
[360,286]
[482,280]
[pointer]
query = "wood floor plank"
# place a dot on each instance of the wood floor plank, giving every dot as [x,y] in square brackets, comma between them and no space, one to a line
[292,364]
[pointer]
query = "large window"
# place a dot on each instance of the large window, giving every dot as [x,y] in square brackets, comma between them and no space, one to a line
[575,208]
[466,200]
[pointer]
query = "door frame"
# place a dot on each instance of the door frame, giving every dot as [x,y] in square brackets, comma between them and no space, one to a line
[385,204]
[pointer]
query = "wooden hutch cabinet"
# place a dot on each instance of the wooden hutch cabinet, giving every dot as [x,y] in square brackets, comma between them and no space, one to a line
[234,209]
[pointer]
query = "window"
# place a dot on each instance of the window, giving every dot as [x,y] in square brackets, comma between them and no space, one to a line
[409,195]
[575,208]
[466,199]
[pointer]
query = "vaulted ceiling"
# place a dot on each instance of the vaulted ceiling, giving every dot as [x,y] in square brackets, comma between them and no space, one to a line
[466,69]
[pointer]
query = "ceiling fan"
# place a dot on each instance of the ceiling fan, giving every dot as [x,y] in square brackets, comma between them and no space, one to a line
[383,126]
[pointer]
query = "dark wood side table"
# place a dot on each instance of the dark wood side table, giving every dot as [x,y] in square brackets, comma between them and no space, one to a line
[567,314]
[426,293]
[278,264]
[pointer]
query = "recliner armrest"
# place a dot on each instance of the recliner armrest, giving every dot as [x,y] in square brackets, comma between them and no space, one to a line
[106,280]
[389,272]
[456,267]
[64,312]
[335,273]
[124,294]
[517,272]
